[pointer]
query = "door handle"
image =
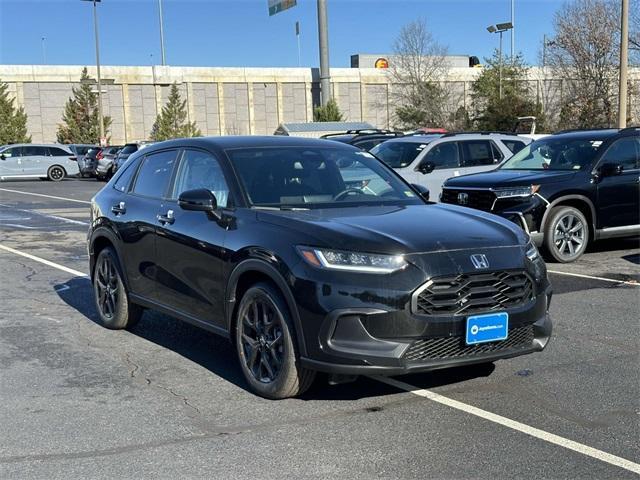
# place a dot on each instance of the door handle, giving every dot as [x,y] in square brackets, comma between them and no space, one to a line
[168,218]
[119,209]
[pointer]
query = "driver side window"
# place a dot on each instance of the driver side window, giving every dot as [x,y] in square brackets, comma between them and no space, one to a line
[201,170]
[624,152]
[444,155]
[11,152]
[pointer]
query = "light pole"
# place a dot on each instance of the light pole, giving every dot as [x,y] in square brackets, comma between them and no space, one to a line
[323,35]
[161,32]
[513,30]
[44,51]
[95,27]
[624,60]
[500,28]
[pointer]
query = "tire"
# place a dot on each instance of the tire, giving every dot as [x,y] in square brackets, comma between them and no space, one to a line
[566,234]
[266,346]
[56,173]
[115,311]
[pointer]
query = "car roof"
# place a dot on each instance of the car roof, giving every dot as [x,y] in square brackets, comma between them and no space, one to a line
[36,145]
[252,141]
[415,138]
[599,134]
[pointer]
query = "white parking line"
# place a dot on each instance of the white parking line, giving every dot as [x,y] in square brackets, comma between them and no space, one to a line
[46,215]
[602,279]
[42,260]
[514,425]
[436,397]
[46,196]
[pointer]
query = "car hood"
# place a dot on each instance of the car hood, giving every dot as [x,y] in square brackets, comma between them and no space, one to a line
[398,229]
[508,178]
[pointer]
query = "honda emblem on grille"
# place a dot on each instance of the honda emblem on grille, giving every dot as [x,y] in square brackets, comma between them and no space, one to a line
[479,261]
[463,198]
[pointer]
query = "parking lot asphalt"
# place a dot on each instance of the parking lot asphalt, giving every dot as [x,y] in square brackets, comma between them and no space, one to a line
[168,400]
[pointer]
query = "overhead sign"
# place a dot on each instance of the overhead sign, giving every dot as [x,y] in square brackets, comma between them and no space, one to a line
[277,6]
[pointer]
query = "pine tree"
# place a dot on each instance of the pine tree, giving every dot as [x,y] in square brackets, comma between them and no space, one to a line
[490,112]
[13,121]
[172,122]
[328,113]
[80,118]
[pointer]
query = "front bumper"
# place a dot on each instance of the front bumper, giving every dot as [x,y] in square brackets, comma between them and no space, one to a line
[367,355]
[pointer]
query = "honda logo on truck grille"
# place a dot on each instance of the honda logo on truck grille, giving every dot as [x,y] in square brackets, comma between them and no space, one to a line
[463,198]
[479,261]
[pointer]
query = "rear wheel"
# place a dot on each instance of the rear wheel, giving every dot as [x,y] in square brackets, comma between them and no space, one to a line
[56,173]
[112,300]
[566,234]
[266,346]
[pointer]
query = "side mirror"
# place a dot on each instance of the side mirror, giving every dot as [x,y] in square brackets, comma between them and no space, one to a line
[422,191]
[426,167]
[199,200]
[609,169]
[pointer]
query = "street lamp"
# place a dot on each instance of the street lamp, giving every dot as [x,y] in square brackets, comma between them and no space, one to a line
[95,27]
[500,28]
[161,32]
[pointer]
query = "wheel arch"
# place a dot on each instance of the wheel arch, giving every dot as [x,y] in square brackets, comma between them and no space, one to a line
[251,271]
[581,202]
[102,238]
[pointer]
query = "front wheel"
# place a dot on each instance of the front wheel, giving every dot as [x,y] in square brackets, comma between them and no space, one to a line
[112,301]
[566,234]
[266,345]
[56,173]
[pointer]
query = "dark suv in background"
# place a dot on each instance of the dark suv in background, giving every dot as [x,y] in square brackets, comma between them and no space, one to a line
[270,242]
[363,139]
[564,189]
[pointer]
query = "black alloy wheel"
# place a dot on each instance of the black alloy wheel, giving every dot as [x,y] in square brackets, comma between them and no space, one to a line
[112,301]
[265,342]
[56,173]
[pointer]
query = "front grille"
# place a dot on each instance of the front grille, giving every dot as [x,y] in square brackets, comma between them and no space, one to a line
[473,293]
[519,338]
[478,199]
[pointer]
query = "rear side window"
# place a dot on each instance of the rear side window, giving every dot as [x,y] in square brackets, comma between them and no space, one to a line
[514,145]
[444,155]
[124,179]
[82,150]
[33,151]
[479,152]
[155,173]
[58,152]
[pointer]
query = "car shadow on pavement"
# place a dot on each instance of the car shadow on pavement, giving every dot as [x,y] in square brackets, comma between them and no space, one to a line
[218,356]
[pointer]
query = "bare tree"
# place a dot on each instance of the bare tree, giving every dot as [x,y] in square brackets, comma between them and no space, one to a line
[585,54]
[417,69]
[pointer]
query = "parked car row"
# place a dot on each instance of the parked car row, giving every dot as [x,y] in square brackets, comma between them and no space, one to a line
[56,161]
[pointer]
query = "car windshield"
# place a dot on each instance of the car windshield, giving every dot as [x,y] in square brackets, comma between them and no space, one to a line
[316,177]
[128,149]
[398,154]
[557,153]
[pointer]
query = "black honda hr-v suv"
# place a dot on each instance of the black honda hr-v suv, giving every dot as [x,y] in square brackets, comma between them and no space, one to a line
[312,256]
[564,190]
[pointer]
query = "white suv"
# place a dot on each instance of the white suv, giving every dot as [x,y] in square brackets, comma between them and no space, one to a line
[429,160]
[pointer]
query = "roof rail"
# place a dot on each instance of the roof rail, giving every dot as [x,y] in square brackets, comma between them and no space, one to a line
[571,130]
[630,129]
[479,132]
[364,131]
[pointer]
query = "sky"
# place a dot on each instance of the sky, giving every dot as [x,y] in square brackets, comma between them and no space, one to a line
[240,33]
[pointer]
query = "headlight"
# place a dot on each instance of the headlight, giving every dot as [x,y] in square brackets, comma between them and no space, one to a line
[352,261]
[517,191]
[532,252]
